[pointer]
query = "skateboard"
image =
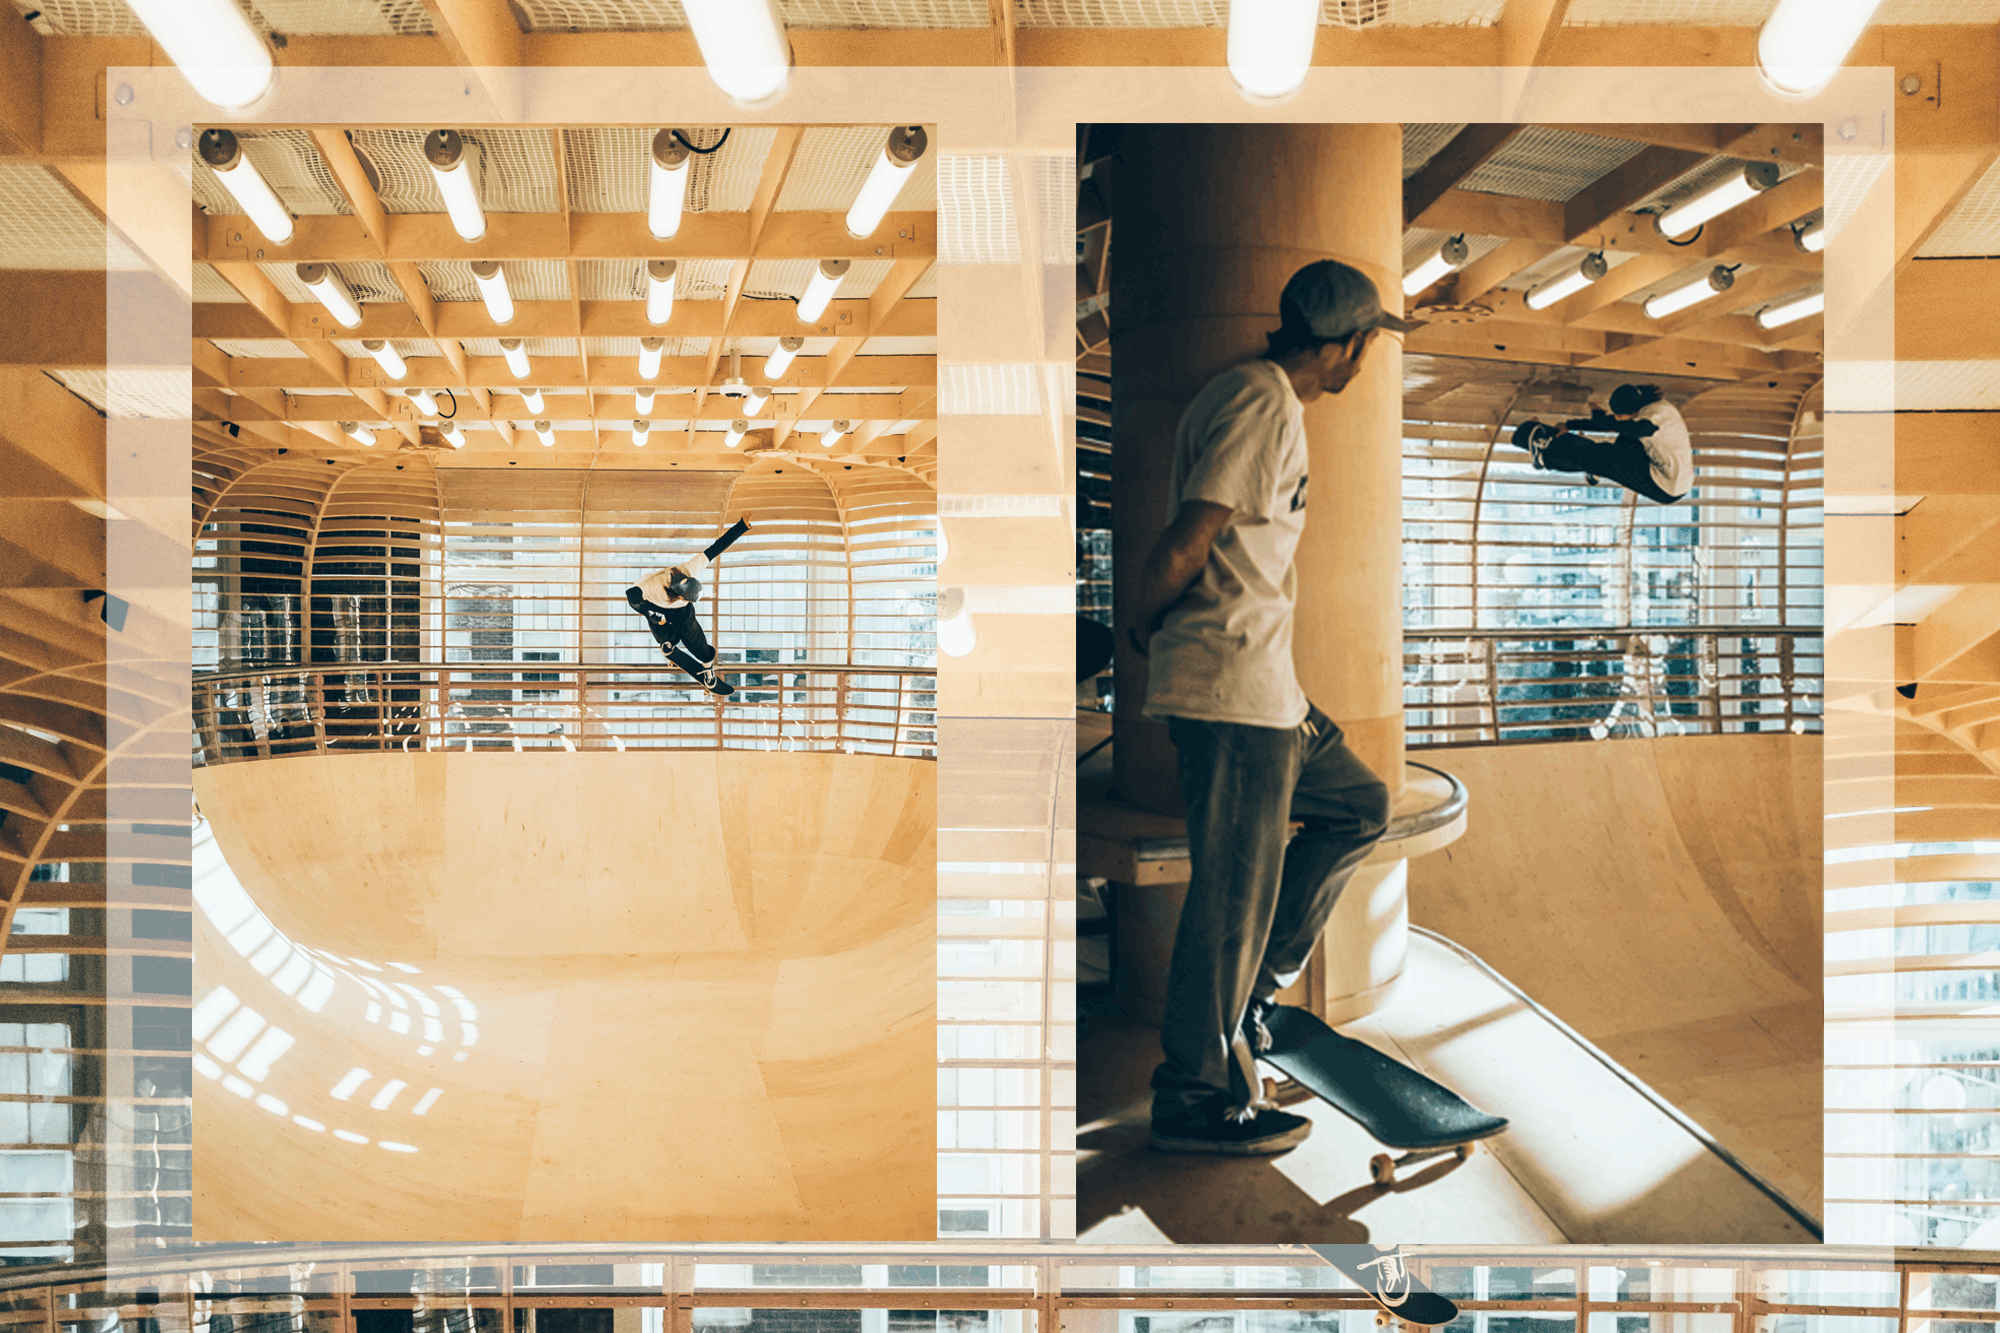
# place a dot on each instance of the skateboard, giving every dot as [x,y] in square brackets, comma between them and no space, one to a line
[1401,1108]
[1382,1274]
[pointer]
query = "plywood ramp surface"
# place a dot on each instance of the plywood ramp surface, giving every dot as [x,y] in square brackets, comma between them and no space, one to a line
[1663,898]
[688,995]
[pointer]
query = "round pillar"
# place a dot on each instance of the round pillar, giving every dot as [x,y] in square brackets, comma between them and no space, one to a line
[1209,221]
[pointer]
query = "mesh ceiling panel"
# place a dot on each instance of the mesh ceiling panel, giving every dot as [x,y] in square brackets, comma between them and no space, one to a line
[1214,13]
[346,18]
[1697,179]
[43,226]
[551,347]
[289,162]
[1849,178]
[527,279]
[833,161]
[602,15]
[1422,142]
[788,277]
[132,394]
[1915,386]
[264,349]
[1973,228]
[515,169]
[976,211]
[886,13]
[988,391]
[209,286]
[84,18]
[926,346]
[404,347]
[368,279]
[625,279]
[630,347]
[1721,12]
[1939,11]
[1055,188]
[1543,163]
[608,168]
[1420,243]
[926,287]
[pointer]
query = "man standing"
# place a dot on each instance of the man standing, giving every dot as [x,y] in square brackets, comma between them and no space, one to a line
[666,599]
[1214,614]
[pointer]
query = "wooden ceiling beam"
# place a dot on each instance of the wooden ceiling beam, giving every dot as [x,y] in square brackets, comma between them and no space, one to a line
[1528,30]
[1466,152]
[1624,186]
[555,319]
[610,406]
[777,169]
[1793,145]
[247,373]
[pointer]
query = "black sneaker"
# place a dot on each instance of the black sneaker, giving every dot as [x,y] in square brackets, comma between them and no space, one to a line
[716,685]
[1534,437]
[1253,1025]
[1215,1128]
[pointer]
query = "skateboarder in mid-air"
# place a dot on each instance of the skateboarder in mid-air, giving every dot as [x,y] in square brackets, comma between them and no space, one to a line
[1213,612]
[1650,455]
[666,598]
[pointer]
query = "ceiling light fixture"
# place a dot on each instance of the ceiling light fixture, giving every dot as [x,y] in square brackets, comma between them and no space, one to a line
[1736,188]
[547,432]
[453,435]
[224,155]
[1573,280]
[660,274]
[492,280]
[1792,311]
[743,43]
[640,429]
[649,356]
[1712,283]
[892,171]
[1447,257]
[517,357]
[736,432]
[781,356]
[331,292]
[826,279]
[831,436]
[955,634]
[386,357]
[1271,45]
[755,402]
[1811,238]
[1804,42]
[643,400]
[425,400]
[214,46]
[359,433]
[667,185]
[444,154]
[532,398]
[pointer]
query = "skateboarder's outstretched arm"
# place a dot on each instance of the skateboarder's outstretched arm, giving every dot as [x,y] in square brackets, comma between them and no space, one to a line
[1175,563]
[727,539]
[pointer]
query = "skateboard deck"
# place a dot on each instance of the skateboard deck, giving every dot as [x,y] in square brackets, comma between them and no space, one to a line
[1382,1274]
[1397,1105]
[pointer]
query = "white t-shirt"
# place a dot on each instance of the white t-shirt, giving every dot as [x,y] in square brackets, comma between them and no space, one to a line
[1224,653]
[654,586]
[1668,448]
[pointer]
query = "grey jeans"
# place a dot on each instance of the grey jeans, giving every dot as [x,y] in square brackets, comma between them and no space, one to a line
[1255,905]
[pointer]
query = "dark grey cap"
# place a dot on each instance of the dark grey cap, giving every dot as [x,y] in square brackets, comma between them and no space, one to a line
[1333,300]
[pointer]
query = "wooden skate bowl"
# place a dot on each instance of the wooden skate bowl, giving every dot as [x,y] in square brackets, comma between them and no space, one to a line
[705,987]
[1663,897]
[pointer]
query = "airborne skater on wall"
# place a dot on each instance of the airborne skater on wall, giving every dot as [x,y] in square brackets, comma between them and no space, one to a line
[666,599]
[1650,454]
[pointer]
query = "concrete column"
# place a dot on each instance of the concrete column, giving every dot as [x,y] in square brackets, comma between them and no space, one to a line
[1209,221]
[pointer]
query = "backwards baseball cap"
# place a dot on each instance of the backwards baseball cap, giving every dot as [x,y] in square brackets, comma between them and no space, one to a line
[1333,300]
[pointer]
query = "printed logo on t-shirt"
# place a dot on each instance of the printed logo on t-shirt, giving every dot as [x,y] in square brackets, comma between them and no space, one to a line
[1299,496]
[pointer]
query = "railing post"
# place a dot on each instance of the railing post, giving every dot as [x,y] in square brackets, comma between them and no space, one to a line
[260,718]
[1493,686]
[316,709]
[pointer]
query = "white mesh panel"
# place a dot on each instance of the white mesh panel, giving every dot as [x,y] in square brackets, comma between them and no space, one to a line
[1849,178]
[210,287]
[1422,142]
[265,349]
[976,211]
[1549,164]
[156,395]
[347,18]
[608,168]
[630,347]
[290,164]
[832,163]
[1939,11]
[1914,386]
[1214,13]
[368,279]
[535,347]
[988,391]
[885,13]
[527,279]
[1720,12]
[625,279]
[84,18]
[514,169]
[1055,185]
[404,347]
[926,287]
[1000,506]
[42,226]
[788,277]
[1973,228]
[603,15]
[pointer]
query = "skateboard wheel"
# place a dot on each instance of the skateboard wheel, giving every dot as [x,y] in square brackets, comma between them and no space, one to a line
[1270,1090]
[1465,1150]
[1381,1319]
[1382,1170]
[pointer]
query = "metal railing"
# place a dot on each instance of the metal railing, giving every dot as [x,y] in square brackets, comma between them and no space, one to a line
[338,708]
[1489,687]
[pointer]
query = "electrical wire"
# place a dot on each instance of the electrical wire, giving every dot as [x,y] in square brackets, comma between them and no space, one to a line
[703,151]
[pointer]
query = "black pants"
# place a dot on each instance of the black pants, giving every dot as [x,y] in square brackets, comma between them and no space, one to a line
[679,632]
[1623,461]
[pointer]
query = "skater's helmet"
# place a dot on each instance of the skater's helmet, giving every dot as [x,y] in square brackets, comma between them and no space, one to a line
[1629,398]
[683,586]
